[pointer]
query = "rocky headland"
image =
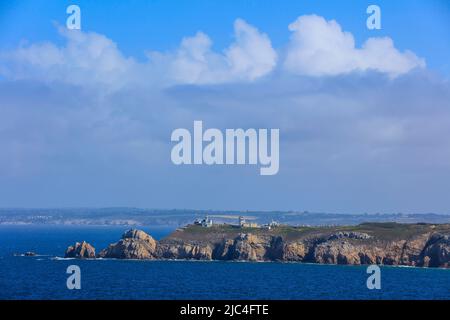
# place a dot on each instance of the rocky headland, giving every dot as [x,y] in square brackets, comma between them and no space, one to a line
[421,245]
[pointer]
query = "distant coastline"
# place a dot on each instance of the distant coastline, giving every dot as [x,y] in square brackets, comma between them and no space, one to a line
[135,217]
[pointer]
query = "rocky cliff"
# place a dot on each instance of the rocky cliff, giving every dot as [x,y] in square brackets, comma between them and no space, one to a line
[423,245]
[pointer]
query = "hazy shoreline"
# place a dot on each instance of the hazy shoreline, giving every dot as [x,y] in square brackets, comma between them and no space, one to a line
[135,217]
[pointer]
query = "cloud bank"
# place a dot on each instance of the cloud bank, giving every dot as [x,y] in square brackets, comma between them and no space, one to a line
[250,57]
[84,125]
[317,48]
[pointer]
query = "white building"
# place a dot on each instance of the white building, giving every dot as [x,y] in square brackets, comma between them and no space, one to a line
[205,222]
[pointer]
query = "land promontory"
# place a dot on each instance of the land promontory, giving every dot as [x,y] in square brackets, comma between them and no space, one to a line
[421,245]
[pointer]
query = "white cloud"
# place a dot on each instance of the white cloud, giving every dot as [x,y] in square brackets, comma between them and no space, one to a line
[195,62]
[321,48]
[91,58]
[86,58]
[250,57]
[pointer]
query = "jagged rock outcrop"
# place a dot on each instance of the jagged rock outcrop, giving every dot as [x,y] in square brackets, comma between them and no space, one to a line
[81,250]
[346,251]
[185,251]
[336,252]
[389,244]
[135,244]
[294,251]
[248,247]
[224,250]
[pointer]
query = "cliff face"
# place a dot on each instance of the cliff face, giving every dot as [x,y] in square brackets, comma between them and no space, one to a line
[389,244]
[185,251]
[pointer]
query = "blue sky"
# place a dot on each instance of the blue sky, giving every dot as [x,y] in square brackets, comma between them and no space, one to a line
[86,116]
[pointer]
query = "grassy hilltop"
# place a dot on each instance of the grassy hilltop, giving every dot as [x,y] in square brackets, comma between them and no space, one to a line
[388,231]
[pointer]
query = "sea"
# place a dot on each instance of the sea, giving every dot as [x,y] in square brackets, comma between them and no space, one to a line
[44,276]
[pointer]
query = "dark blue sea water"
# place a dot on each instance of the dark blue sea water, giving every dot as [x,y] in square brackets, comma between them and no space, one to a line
[44,277]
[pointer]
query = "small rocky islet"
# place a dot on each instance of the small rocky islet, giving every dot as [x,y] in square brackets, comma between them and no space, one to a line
[420,245]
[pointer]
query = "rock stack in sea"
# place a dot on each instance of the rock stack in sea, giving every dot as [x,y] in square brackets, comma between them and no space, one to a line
[81,250]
